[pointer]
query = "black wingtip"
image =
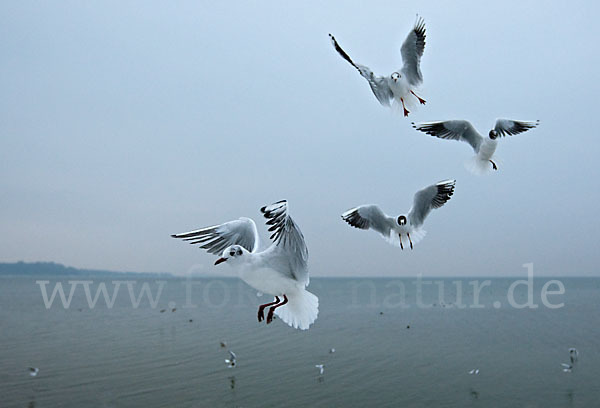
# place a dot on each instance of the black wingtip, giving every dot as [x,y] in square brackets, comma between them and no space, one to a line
[173,235]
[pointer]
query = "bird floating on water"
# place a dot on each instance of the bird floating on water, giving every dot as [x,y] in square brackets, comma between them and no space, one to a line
[573,357]
[33,371]
[231,361]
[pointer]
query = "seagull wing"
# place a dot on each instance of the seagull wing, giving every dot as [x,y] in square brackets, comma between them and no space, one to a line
[216,238]
[379,85]
[461,130]
[510,127]
[412,50]
[429,198]
[289,249]
[369,217]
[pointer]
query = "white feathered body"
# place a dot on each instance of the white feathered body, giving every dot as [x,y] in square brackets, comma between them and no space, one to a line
[401,89]
[267,280]
[302,308]
[480,163]
[416,234]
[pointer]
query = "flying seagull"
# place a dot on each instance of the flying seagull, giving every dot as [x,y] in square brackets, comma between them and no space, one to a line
[280,270]
[408,227]
[484,148]
[400,85]
[231,360]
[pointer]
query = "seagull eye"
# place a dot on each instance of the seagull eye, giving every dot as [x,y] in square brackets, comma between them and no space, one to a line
[232,253]
[239,252]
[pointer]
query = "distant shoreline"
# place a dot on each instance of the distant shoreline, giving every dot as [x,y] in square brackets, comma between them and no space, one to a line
[55,269]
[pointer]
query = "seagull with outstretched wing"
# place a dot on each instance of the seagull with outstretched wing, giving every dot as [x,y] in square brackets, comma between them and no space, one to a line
[405,227]
[400,85]
[484,147]
[232,360]
[280,270]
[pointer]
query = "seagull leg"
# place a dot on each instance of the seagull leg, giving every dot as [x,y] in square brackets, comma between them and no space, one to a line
[261,309]
[272,309]
[401,246]
[409,240]
[421,100]
[494,165]
[406,112]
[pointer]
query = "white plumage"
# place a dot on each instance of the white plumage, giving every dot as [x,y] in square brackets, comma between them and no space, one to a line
[280,270]
[400,86]
[403,229]
[484,147]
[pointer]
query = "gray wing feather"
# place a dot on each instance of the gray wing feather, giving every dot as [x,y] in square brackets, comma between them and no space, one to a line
[461,130]
[506,127]
[412,50]
[216,238]
[369,217]
[379,85]
[429,198]
[288,241]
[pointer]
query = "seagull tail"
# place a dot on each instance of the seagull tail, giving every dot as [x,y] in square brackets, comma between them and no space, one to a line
[301,310]
[478,166]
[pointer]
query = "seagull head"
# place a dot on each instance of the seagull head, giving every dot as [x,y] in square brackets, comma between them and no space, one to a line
[493,134]
[401,220]
[232,254]
[396,76]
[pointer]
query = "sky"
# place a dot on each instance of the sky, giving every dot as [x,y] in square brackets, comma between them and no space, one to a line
[122,122]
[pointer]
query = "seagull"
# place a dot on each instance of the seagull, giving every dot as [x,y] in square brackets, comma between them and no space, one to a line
[223,344]
[331,350]
[33,371]
[474,371]
[281,270]
[484,148]
[320,367]
[400,85]
[573,355]
[231,360]
[403,227]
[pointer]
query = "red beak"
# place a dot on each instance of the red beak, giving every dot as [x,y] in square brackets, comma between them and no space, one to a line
[220,260]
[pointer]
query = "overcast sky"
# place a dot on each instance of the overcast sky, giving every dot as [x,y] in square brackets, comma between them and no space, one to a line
[122,122]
